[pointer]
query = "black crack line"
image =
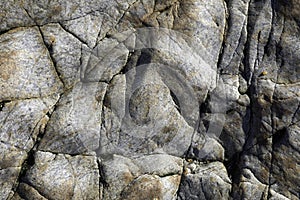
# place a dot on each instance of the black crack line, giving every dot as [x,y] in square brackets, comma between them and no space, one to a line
[51,56]
[29,161]
[107,35]
[46,46]
[71,33]
[272,117]
[293,121]
[181,180]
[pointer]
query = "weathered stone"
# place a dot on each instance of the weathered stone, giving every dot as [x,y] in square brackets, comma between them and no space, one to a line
[20,124]
[104,61]
[159,164]
[13,15]
[149,99]
[27,70]
[206,149]
[205,21]
[205,182]
[157,172]
[75,124]
[65,51]
[152,187]
[26,13]
[118,172]
[28,192]
[144,187]
[71,177]
[251,187]
[8,181]
[90,27]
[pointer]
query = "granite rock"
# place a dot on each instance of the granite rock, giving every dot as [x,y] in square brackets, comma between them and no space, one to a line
[149,99]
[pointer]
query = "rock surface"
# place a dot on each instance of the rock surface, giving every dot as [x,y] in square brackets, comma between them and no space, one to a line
[150,99]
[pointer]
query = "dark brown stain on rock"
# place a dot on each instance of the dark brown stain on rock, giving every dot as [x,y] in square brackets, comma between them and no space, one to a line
[146,187]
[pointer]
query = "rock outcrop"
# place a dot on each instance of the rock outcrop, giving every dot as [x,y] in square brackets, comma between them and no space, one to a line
[150,99]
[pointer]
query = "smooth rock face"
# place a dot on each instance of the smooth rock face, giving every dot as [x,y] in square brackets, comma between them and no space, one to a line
[149,99]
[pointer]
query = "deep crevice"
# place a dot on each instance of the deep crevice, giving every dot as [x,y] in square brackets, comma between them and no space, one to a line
[176,101]
[131,61]
[279,135]
[2,104]
[50,51]
[30,160]
[5,31]
[223,46]
[180,183]
[234,165]
[27,164]
[102,175]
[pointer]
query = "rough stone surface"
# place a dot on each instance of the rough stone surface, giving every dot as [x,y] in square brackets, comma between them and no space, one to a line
[208,181]
[66,131]
[27,70]
[21,123]
[149,99]
[151,176]
[72,177]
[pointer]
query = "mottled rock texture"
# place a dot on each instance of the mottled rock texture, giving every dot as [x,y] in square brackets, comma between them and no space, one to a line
[149,99]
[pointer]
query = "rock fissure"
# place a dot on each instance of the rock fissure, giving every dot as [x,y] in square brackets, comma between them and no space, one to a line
[84,114]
